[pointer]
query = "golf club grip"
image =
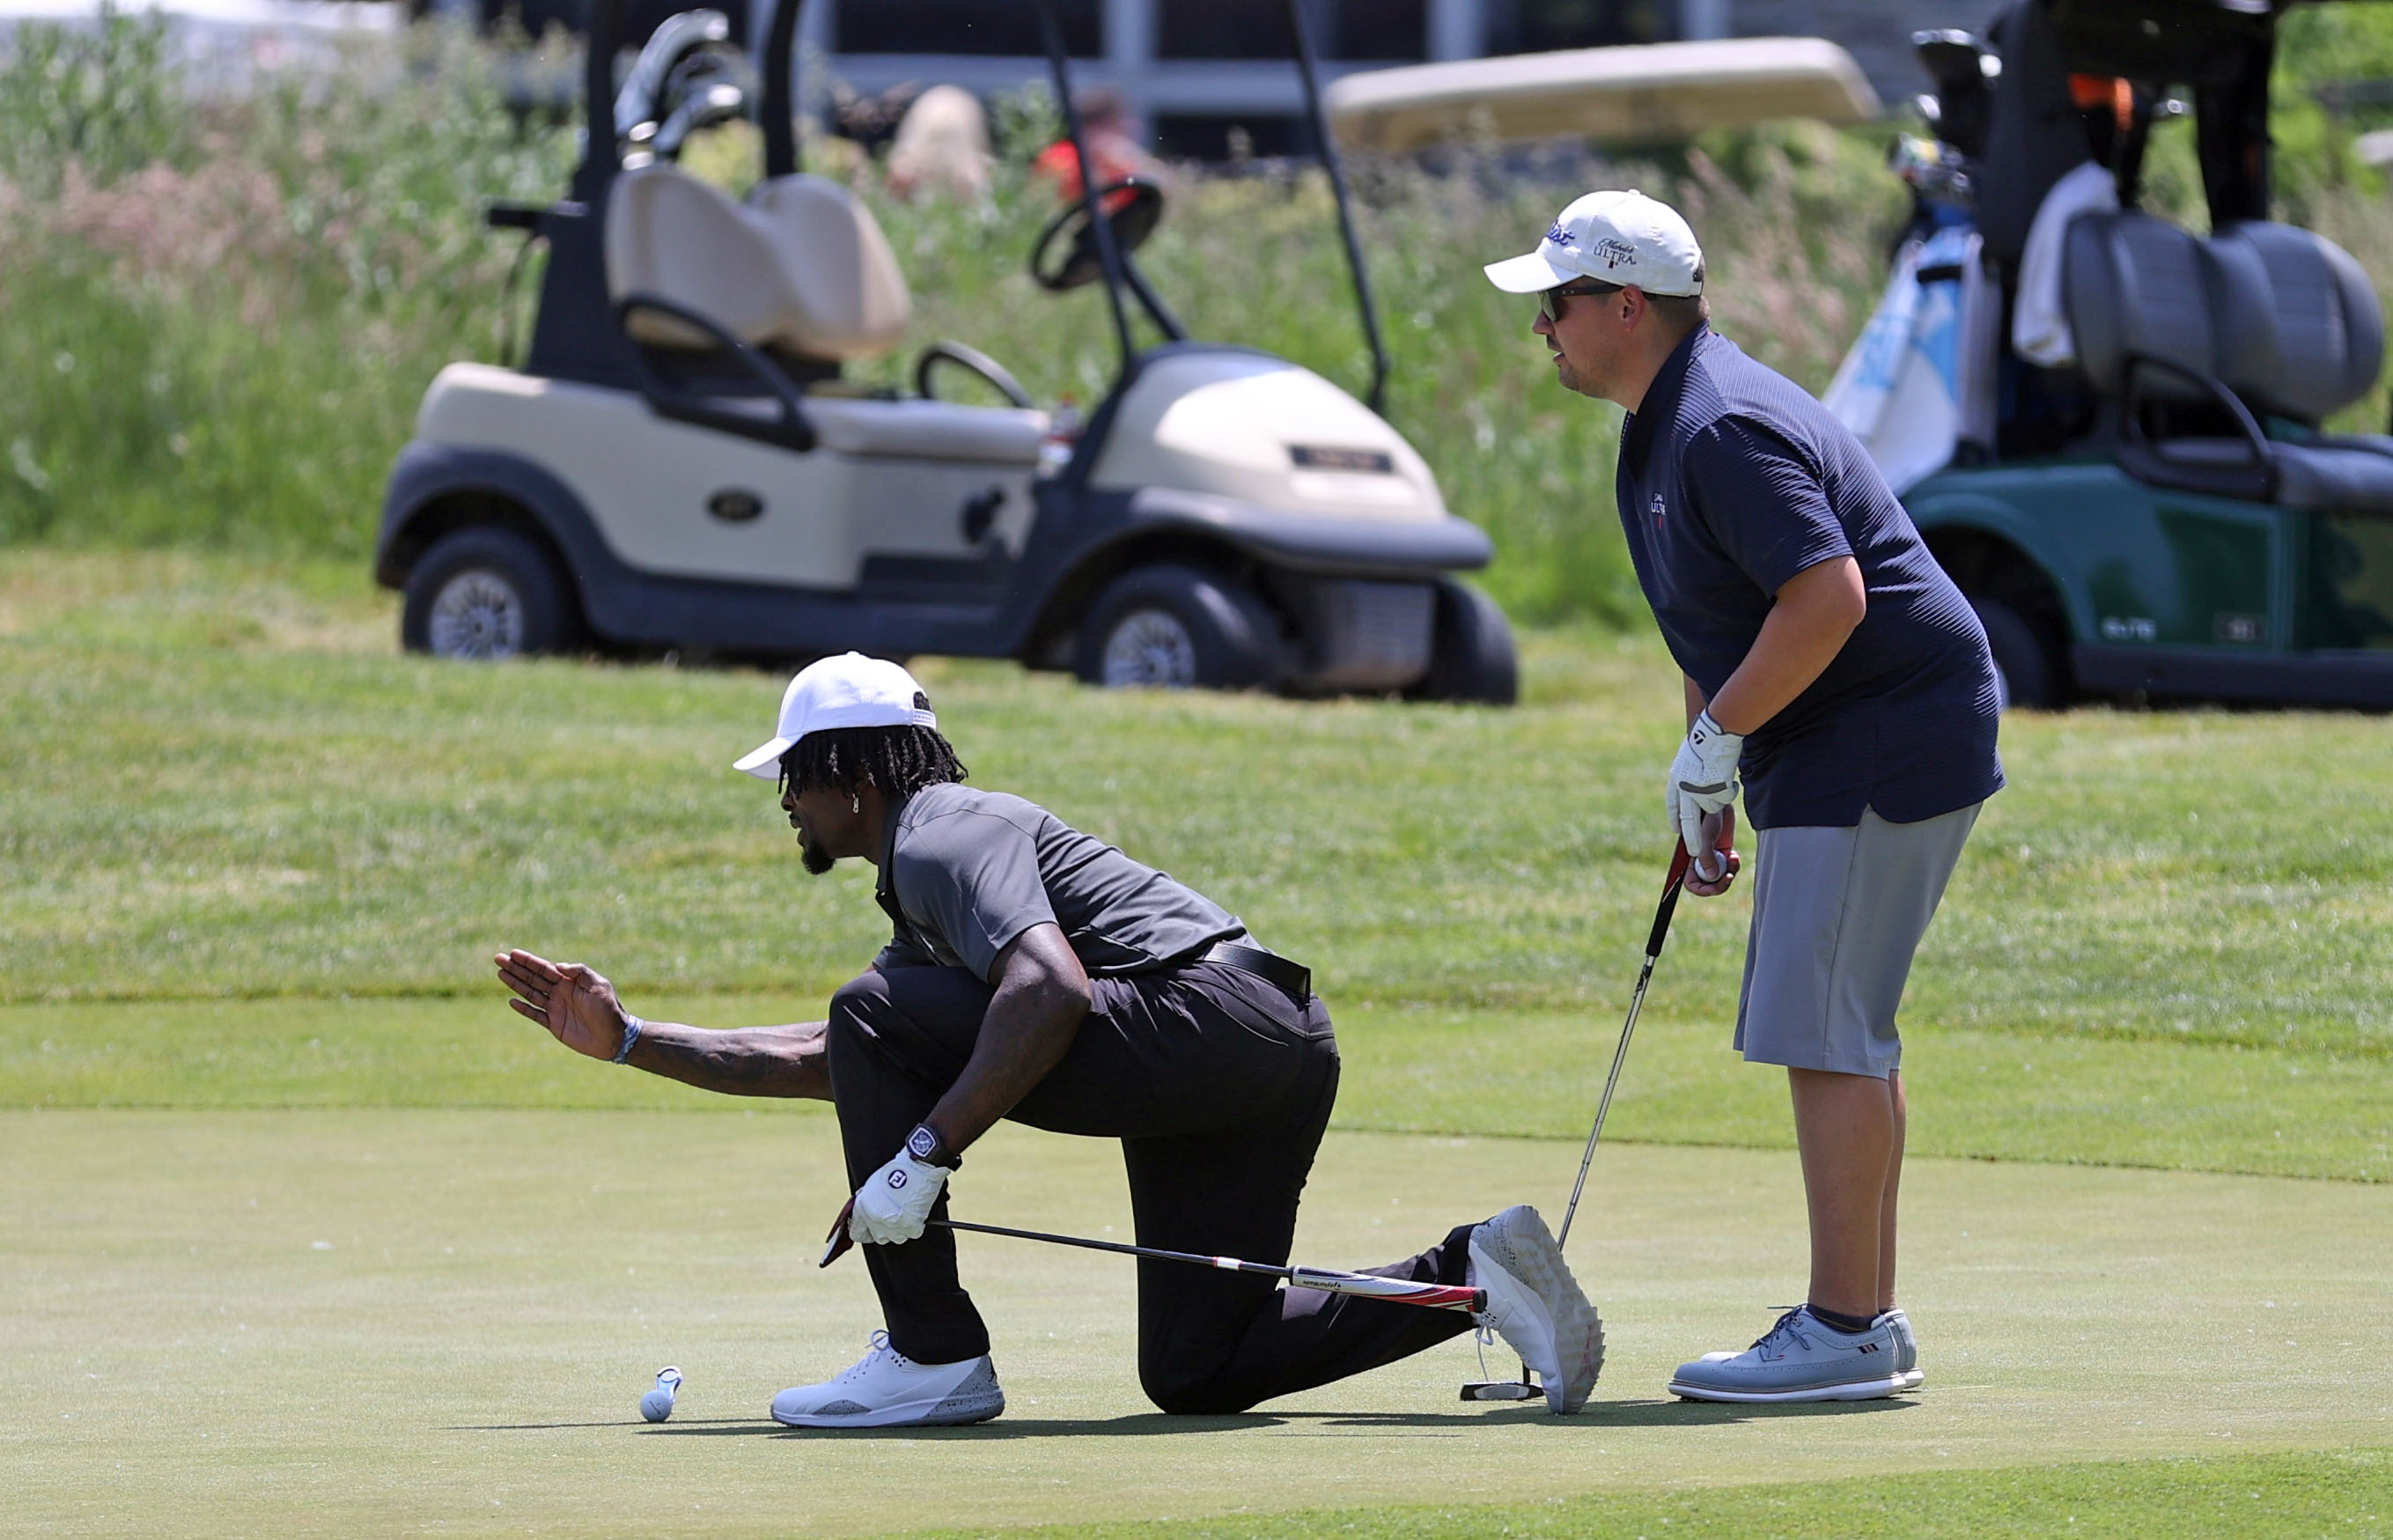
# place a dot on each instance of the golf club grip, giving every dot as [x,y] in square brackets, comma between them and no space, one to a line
[1400,1291]
[1679,862]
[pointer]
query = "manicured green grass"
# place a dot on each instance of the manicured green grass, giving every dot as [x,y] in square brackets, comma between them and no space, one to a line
[360,1320]
[2345,1493]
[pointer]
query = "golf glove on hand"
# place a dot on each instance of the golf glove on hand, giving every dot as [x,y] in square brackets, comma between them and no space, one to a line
[1702,783]
[895,1202]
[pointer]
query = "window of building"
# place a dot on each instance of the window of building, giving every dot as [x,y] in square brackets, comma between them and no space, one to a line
[1392,30]
[1004,27]
[1533,26]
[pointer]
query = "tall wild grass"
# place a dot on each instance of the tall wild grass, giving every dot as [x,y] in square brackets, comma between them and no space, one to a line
[219,314]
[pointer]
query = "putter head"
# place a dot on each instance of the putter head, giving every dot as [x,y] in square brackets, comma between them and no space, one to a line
[1501,1389]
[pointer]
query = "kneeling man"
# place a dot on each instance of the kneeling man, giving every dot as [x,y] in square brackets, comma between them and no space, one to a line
[1039,974]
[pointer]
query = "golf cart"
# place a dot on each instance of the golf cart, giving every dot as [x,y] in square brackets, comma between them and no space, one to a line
[679,462]
[2107,427]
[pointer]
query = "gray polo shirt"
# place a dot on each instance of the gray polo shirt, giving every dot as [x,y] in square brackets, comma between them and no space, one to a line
[964,872]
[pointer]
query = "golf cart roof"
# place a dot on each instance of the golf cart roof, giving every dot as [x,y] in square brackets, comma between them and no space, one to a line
[1638,94]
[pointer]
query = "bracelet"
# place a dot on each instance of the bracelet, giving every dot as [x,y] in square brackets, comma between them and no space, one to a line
[631,1026]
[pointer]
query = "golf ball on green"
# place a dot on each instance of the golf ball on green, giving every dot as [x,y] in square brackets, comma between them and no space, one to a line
[657,1405]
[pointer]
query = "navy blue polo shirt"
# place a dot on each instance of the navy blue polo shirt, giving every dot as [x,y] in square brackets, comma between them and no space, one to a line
[1733,479]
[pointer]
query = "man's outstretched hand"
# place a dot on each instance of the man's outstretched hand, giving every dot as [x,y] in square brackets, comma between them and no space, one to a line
[576,1004]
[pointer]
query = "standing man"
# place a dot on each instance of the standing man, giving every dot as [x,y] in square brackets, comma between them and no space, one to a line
[1039,974]
[1828,660]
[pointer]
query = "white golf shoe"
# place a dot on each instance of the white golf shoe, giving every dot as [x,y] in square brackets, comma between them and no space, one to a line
[885,1389]
[1536,1306]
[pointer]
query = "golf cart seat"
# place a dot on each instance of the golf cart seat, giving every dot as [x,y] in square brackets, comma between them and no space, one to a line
[803,272]
[2300,332]
[2192,337]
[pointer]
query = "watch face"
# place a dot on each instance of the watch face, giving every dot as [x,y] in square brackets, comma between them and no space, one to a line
[920,1143]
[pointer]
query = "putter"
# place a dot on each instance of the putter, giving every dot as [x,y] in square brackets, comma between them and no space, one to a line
[1368,1286]
[1521,1388]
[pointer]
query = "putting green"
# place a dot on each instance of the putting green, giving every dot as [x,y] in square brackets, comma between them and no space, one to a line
[368,1320]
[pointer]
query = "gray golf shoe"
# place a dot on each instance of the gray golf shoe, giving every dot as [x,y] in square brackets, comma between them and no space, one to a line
[1536,1306]
[1906,1348]
[1801,1358]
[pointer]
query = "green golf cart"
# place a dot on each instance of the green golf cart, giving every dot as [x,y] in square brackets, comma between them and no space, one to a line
[2108,427]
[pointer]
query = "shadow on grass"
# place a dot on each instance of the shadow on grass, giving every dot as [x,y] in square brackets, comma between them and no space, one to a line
[1598,1415]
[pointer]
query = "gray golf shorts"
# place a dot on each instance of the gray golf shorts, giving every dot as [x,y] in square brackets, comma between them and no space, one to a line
[1836,915]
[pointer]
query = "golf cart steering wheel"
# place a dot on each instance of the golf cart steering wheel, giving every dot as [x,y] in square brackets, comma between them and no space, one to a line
[1132,223]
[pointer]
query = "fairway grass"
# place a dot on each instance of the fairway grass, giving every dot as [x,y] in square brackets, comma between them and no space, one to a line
[1974,1094]
[367,1321]
[236,812]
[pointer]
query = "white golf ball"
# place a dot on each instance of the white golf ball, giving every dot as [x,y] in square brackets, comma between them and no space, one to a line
[658,1404]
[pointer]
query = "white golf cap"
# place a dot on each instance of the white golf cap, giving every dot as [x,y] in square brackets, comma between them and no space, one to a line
[847,691]
[1625,239]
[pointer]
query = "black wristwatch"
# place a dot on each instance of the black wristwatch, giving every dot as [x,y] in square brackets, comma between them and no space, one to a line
[925,1145]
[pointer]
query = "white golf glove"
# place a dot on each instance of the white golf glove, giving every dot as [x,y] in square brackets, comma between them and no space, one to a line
[895,1202]
[1702,784]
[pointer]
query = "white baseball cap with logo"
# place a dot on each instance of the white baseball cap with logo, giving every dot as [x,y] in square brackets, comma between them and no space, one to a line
[847,691]
[1623,238]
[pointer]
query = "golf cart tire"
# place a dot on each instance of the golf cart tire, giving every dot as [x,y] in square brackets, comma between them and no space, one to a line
[1472,661]
[512,571]
[1225,638]
[2025,668]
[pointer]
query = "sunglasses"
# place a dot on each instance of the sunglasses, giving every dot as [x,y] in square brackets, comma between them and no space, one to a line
[1550,302]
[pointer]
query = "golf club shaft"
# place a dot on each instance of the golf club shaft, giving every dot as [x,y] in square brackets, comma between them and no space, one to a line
[1399,1291]
[1678,878]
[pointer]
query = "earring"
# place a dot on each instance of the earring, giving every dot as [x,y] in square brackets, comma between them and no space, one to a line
[856,801]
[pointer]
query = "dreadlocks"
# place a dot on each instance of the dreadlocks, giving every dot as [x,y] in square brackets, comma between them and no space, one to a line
[900,761]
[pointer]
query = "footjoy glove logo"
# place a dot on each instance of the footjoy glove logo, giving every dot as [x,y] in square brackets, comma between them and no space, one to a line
[896,1179]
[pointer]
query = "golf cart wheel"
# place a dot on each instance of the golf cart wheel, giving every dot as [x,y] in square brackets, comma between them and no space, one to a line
[483,593]
[1471,658]
[2025,670]
[1175,628]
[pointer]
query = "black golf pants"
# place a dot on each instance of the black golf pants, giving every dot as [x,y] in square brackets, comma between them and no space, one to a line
[1219,1086]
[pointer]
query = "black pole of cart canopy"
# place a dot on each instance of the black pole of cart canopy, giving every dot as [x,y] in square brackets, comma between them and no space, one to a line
[1297,25]
[781,112]
[598,151]
[1051,32]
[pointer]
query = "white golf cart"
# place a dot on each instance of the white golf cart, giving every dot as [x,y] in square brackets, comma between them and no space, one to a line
[678,463]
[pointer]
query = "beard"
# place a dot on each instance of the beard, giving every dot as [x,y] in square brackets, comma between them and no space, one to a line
[815,859]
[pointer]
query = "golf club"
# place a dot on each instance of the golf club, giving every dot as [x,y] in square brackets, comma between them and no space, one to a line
[1400,1291]
[1521,1389]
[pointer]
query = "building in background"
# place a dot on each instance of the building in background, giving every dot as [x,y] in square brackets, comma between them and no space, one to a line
[1196,70]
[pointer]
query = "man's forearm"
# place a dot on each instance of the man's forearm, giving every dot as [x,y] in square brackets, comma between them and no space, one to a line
[749,1060]
[1816,611]
[1029,1027]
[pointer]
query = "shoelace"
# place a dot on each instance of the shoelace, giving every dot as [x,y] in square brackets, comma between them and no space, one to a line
[1785,1327]
[878,1349]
